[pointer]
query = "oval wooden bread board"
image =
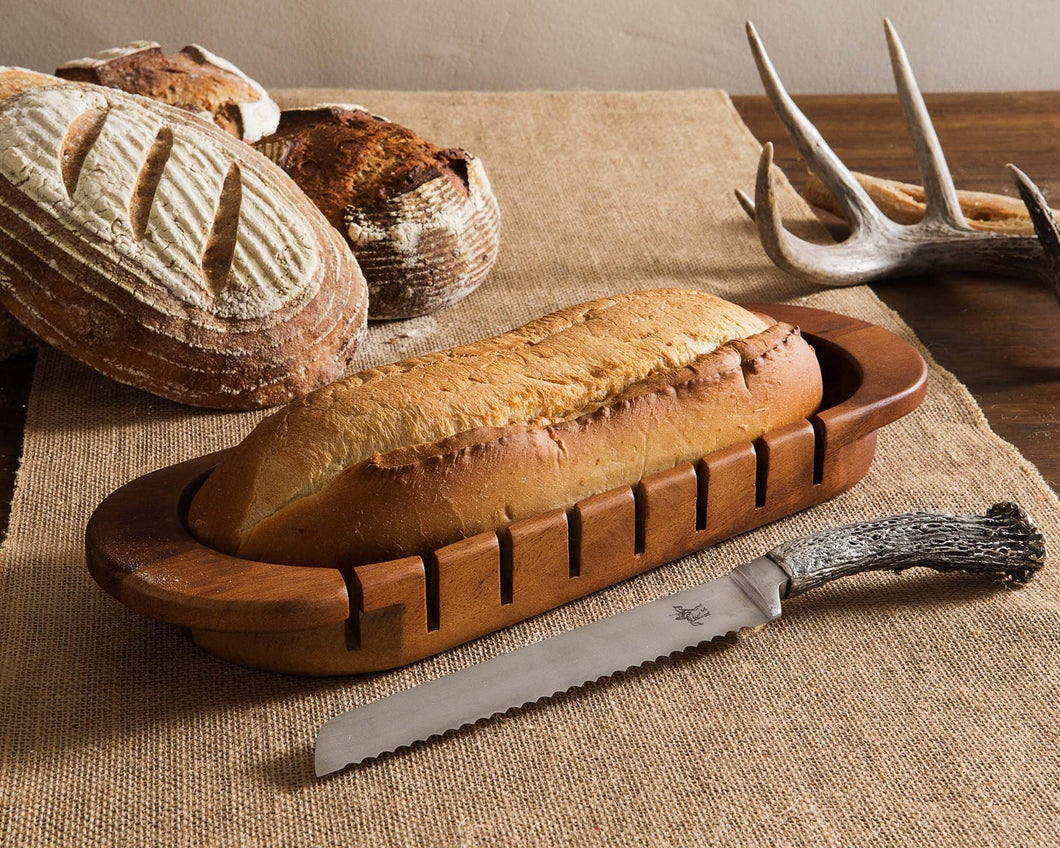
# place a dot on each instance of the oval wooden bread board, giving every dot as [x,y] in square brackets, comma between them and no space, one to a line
[382,615]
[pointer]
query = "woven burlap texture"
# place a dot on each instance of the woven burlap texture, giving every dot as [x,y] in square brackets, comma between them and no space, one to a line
[912,709]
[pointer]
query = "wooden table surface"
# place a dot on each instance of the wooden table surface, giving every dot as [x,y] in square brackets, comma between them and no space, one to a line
[1000,336]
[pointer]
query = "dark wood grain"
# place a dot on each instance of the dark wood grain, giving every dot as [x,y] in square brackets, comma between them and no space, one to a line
[1000,336]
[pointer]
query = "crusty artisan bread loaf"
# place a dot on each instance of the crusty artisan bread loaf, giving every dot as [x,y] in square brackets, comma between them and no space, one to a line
[401,459]
[422,220]
[193,79]
[905,203]
[165,253]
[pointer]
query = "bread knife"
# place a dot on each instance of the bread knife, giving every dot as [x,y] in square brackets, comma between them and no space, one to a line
[1004,543]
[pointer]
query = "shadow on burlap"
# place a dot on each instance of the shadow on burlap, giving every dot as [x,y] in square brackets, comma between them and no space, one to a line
[914,709]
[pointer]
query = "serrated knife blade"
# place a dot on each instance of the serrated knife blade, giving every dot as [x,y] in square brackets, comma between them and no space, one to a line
[571,659]
[1004,542]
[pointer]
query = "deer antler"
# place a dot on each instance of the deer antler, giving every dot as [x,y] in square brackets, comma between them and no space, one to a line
[879,247]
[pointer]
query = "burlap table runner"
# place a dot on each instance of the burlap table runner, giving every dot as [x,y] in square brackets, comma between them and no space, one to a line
[919,709]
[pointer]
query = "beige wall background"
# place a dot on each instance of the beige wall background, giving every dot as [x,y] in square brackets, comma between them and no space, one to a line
[818,45]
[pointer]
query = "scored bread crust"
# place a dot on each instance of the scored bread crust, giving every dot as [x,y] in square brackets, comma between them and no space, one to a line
[402,459]
[165,253]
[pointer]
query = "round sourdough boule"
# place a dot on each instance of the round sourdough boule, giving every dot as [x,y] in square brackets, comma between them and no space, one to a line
[165,253]
[401,459]
[193,79]
[422,220]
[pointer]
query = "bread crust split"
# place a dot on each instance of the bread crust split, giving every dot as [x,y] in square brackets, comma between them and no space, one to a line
[165,253]
[406,458]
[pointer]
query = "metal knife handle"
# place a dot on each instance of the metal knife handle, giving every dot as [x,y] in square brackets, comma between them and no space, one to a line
[1004,542]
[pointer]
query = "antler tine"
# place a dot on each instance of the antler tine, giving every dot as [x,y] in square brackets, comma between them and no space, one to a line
[771,230]
[940,195]
[1045,226]
[858,209]
[745,202]
[849,263]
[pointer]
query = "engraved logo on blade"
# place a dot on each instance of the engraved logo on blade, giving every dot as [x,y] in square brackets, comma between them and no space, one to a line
[693,615]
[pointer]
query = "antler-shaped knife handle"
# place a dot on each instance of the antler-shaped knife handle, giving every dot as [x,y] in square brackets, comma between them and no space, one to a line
[1004,542]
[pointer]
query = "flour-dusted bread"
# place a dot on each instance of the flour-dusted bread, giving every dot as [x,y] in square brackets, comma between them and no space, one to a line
[401,459]
[164,252]
[193,79]
[422,220]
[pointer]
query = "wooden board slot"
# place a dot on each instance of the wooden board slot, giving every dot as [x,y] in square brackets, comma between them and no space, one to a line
[640,505]
[432,602]
[504,538]
[818,451]
[574,543]
[761,471]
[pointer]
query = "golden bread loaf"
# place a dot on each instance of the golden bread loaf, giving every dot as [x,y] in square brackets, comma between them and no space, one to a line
[401,459]
[165,253]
